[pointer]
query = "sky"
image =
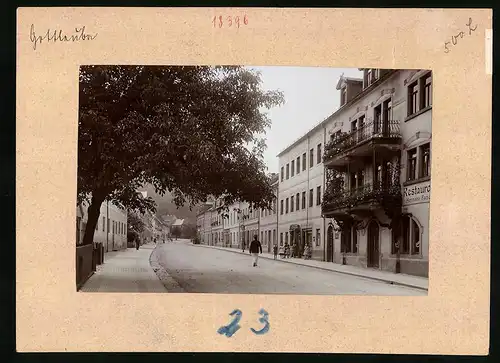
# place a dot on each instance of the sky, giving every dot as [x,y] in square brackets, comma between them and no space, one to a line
[310,97]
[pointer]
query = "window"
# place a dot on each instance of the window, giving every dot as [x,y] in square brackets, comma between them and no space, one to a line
[412,98]
[311,196]
[281,207]
[286,206]
[311,158]
[303,200]
[343,96]
[282,173]
[292,204]
[286,237]
[103,223]
[318,240]
[426,100]
[298,165]
[262,237]
[370,77]
[354,125]
[318,195]
[274,236]
[318,155]
[287,171]
[387,110]
[412,164]
[293,167]
[108,226]
[281,239]
[304,161]
[425,160]
[297,201]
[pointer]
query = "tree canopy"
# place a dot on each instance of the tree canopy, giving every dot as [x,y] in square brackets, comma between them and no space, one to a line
[182,129]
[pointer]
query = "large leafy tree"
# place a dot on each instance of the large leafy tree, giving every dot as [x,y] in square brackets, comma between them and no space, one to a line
[182,129]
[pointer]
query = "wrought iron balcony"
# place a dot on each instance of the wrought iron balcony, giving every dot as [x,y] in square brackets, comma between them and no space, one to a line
[367,196]
[385,133]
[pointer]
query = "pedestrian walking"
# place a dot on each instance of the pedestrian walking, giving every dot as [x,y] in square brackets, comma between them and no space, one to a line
[243,244]
[275,251]
[254,249]
[137,243]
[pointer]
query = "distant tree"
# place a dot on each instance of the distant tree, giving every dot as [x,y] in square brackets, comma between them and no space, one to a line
[134,222]
[176,231]
[182,129]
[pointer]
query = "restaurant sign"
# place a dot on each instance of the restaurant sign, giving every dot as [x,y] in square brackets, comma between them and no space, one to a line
[417,193]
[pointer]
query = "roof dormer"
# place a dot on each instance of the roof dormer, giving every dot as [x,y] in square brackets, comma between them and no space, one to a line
[349,88]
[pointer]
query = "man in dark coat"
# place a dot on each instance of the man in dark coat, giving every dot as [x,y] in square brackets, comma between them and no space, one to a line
[254,249]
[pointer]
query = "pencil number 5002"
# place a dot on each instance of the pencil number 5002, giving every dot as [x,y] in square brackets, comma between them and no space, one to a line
[229,21]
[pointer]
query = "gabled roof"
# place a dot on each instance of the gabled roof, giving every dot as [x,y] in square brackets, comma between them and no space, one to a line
[343,79]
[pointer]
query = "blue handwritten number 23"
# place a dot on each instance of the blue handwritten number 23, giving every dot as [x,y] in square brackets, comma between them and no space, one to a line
[233,327]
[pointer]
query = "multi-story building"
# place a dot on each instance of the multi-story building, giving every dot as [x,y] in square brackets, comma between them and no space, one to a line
[378,172]
[268,224]
[301,186]
[111,228]
[238,224]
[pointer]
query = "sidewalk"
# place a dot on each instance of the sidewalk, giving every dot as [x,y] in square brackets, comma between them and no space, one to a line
[125,271]
[379,275]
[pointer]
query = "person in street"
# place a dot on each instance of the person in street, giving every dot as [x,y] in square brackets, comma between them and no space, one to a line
[243,244]
[137,243]
[275,251]
[254,249]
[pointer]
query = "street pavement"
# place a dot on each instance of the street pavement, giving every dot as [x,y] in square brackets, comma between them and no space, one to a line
[125,271]
[210,270]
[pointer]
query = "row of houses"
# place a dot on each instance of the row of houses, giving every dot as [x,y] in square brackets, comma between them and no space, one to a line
[356,187]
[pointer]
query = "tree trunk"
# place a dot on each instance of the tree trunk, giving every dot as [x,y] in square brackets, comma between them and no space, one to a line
[94,211]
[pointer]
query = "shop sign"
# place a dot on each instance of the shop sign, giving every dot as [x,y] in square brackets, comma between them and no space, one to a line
[417,193]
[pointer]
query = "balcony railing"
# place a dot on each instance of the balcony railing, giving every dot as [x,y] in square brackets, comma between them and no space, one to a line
[371,130]
[364,194]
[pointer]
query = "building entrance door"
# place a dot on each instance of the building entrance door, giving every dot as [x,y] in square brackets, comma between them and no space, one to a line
[373,245]
[329,245]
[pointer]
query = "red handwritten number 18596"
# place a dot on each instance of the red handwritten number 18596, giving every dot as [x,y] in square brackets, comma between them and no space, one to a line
[229,21]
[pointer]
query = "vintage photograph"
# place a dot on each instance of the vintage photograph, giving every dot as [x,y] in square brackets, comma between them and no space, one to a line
[253,180]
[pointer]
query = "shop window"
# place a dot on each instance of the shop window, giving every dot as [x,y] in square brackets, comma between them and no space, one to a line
[411,164]
[412,98]
[425,160]
[303,161]
[410,237]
